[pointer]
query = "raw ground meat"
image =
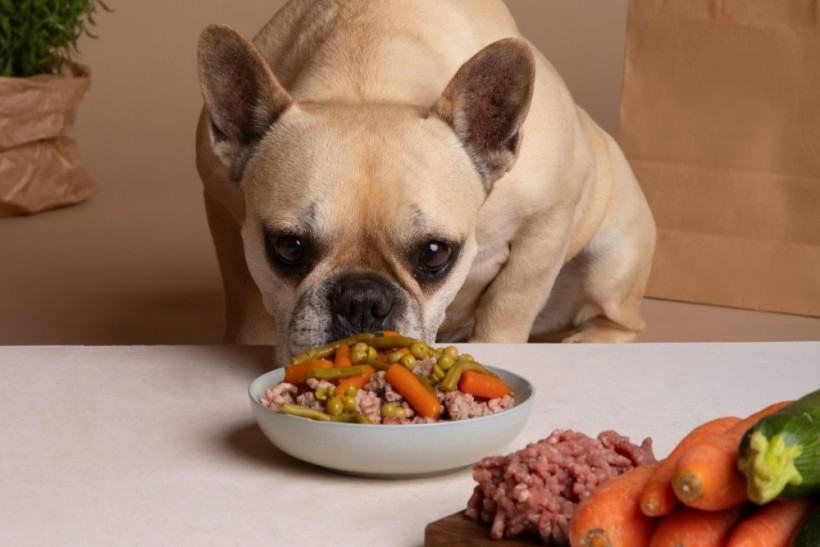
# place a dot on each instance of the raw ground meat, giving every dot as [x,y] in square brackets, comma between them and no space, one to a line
[536,489]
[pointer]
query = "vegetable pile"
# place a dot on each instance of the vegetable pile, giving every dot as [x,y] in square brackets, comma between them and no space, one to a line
[730,481]
[387,378]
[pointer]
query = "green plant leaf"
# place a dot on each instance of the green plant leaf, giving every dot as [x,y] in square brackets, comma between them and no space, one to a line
[39,34]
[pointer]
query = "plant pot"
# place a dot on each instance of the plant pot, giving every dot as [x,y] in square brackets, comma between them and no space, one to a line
[40,166]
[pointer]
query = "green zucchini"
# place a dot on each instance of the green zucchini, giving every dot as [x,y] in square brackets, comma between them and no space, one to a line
[808,534]
[780,454]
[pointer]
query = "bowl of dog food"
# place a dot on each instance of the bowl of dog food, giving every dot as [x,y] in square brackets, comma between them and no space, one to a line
[389,406]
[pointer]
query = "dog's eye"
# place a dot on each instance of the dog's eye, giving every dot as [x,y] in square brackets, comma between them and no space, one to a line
[435,256]
[289,249]
[291,255]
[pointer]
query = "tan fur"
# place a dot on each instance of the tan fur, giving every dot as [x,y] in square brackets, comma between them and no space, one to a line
[374,131]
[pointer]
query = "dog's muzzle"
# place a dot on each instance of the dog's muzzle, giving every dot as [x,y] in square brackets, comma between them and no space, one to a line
[362,303]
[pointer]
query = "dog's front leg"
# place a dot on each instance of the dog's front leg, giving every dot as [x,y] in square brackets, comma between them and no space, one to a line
[510,304]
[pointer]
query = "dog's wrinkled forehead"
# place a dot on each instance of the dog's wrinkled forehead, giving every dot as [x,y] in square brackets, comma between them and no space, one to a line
[326,168]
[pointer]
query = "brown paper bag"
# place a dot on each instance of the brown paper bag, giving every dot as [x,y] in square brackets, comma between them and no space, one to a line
[39,165]
[720,120]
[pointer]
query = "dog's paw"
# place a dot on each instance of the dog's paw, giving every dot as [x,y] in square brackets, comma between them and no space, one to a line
[601,334]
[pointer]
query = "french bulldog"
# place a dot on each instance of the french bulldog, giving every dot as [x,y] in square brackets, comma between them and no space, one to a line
[416,166]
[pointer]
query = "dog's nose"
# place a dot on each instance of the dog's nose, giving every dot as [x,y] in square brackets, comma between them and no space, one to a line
[361,304]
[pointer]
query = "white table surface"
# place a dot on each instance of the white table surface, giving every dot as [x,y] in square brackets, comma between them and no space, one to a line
[157,445]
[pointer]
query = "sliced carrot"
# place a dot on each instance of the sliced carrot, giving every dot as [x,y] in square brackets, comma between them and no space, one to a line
[706,476]
[773,525]
[658,498]
[405,382]
[342,356]
[295,374]
[481,385]
[689,527]
[357,381]
[611,515]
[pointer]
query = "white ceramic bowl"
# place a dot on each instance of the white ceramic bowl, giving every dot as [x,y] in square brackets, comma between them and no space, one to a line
[393,451]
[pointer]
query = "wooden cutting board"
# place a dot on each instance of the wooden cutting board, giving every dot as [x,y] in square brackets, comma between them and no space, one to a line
[459,531]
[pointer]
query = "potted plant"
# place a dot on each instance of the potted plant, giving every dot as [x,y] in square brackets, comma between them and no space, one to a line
[40,91]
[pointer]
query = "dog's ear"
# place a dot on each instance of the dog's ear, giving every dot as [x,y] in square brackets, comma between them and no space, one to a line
[486,103]
[241,93]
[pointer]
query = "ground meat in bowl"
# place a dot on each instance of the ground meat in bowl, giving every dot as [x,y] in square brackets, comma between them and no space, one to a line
[536,489]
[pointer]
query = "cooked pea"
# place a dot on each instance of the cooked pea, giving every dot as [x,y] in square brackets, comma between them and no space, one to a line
[392,410]
[334,406]
[408,361]
[420,350]
[349,403]
[445,361]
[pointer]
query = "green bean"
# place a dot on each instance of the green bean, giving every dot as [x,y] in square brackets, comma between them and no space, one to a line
[450,380]
[335,372]
[426,383]
[323,352]
[304,412]
[378,365]
[385,342]
[351,419]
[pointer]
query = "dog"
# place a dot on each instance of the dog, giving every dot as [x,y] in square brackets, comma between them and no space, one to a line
[416,166]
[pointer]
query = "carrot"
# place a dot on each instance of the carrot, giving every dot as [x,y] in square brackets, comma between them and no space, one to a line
[295,374]
[772,525]
[342,357]
[658,498]
[706,476]
[611,515]
[689,527]
[357,381]
[405,382]
[481,385]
